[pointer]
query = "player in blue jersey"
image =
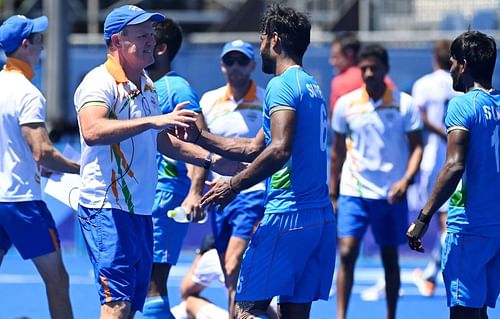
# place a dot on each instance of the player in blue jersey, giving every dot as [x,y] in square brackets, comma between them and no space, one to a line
[471,255]
[174,187]
[292,253]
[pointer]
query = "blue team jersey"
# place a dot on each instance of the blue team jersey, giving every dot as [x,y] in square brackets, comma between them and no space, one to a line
[301,183]
[172,89]
[473,206]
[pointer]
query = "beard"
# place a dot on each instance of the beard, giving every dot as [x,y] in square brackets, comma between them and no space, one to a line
[458,82]
[268,65]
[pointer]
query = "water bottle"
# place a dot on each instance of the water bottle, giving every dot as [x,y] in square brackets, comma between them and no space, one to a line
[179,215]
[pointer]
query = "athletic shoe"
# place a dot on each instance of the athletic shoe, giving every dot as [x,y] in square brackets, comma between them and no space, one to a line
[425,287]
[377,291]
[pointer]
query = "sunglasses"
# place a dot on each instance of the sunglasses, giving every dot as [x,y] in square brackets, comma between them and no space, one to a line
[229,61]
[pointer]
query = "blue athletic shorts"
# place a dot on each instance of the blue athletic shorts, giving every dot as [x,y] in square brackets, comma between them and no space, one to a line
[168,234]
[238,219]
[30,227]
[388,222]
[291,255]
[120,247]
[471,270]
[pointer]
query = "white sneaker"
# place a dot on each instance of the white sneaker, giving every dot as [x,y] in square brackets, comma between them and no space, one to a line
[377,291]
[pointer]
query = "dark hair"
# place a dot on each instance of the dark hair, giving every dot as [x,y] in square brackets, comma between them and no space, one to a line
[480,52]
[293,28]
[442,54]
[374,51]
[348,42]
[170,33]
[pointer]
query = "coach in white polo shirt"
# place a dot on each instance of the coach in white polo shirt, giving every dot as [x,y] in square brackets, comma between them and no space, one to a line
[121,129]
[25,221]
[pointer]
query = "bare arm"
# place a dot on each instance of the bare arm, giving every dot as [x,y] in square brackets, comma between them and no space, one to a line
[98,129]
[44,153]
[198,176]
[274,156]
[238,149]
[194,154]
[446,183]
[270,160]
[398,190]
[450,174]
[337,161]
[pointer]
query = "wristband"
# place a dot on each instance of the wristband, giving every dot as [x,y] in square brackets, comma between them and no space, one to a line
[424,218]
[207,162]
[419,229]
[421,223]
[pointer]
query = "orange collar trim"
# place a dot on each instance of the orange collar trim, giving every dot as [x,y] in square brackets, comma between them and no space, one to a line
[251,94]
[115,69]
[386,98]
[17,65]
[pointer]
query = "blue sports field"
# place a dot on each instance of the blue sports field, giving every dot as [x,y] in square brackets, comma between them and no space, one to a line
[22,293]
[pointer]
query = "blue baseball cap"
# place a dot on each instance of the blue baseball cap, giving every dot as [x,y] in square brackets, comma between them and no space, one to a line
[126,15]
[17,28]
[239,46]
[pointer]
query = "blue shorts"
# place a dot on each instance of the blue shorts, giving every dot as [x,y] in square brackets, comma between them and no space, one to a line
[120,247]
[471,270]
[238,219]
[388,222]
[30,227]
[291,255]
[168,234]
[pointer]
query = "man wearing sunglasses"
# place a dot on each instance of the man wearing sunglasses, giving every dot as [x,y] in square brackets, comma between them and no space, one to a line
[235,110]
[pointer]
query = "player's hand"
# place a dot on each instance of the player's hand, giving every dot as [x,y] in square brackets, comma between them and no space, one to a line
[191,205]
[177,118]
[414,233]
[225,166]
[219,195]
[398,191]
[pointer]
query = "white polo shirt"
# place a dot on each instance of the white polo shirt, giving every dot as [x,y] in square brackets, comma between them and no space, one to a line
[21,103]
[121,175]
[230,118]
[376,141]
[431,93]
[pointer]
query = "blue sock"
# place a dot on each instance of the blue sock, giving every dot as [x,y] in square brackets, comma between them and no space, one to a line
[157,307]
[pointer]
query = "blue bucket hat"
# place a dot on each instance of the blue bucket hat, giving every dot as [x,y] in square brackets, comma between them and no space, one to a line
[17,28]
[126,15]
[239,46]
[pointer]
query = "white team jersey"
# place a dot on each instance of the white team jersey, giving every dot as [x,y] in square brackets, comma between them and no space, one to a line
[376,141]
[121,175]
[226,117]
[21,103]
[431,94]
